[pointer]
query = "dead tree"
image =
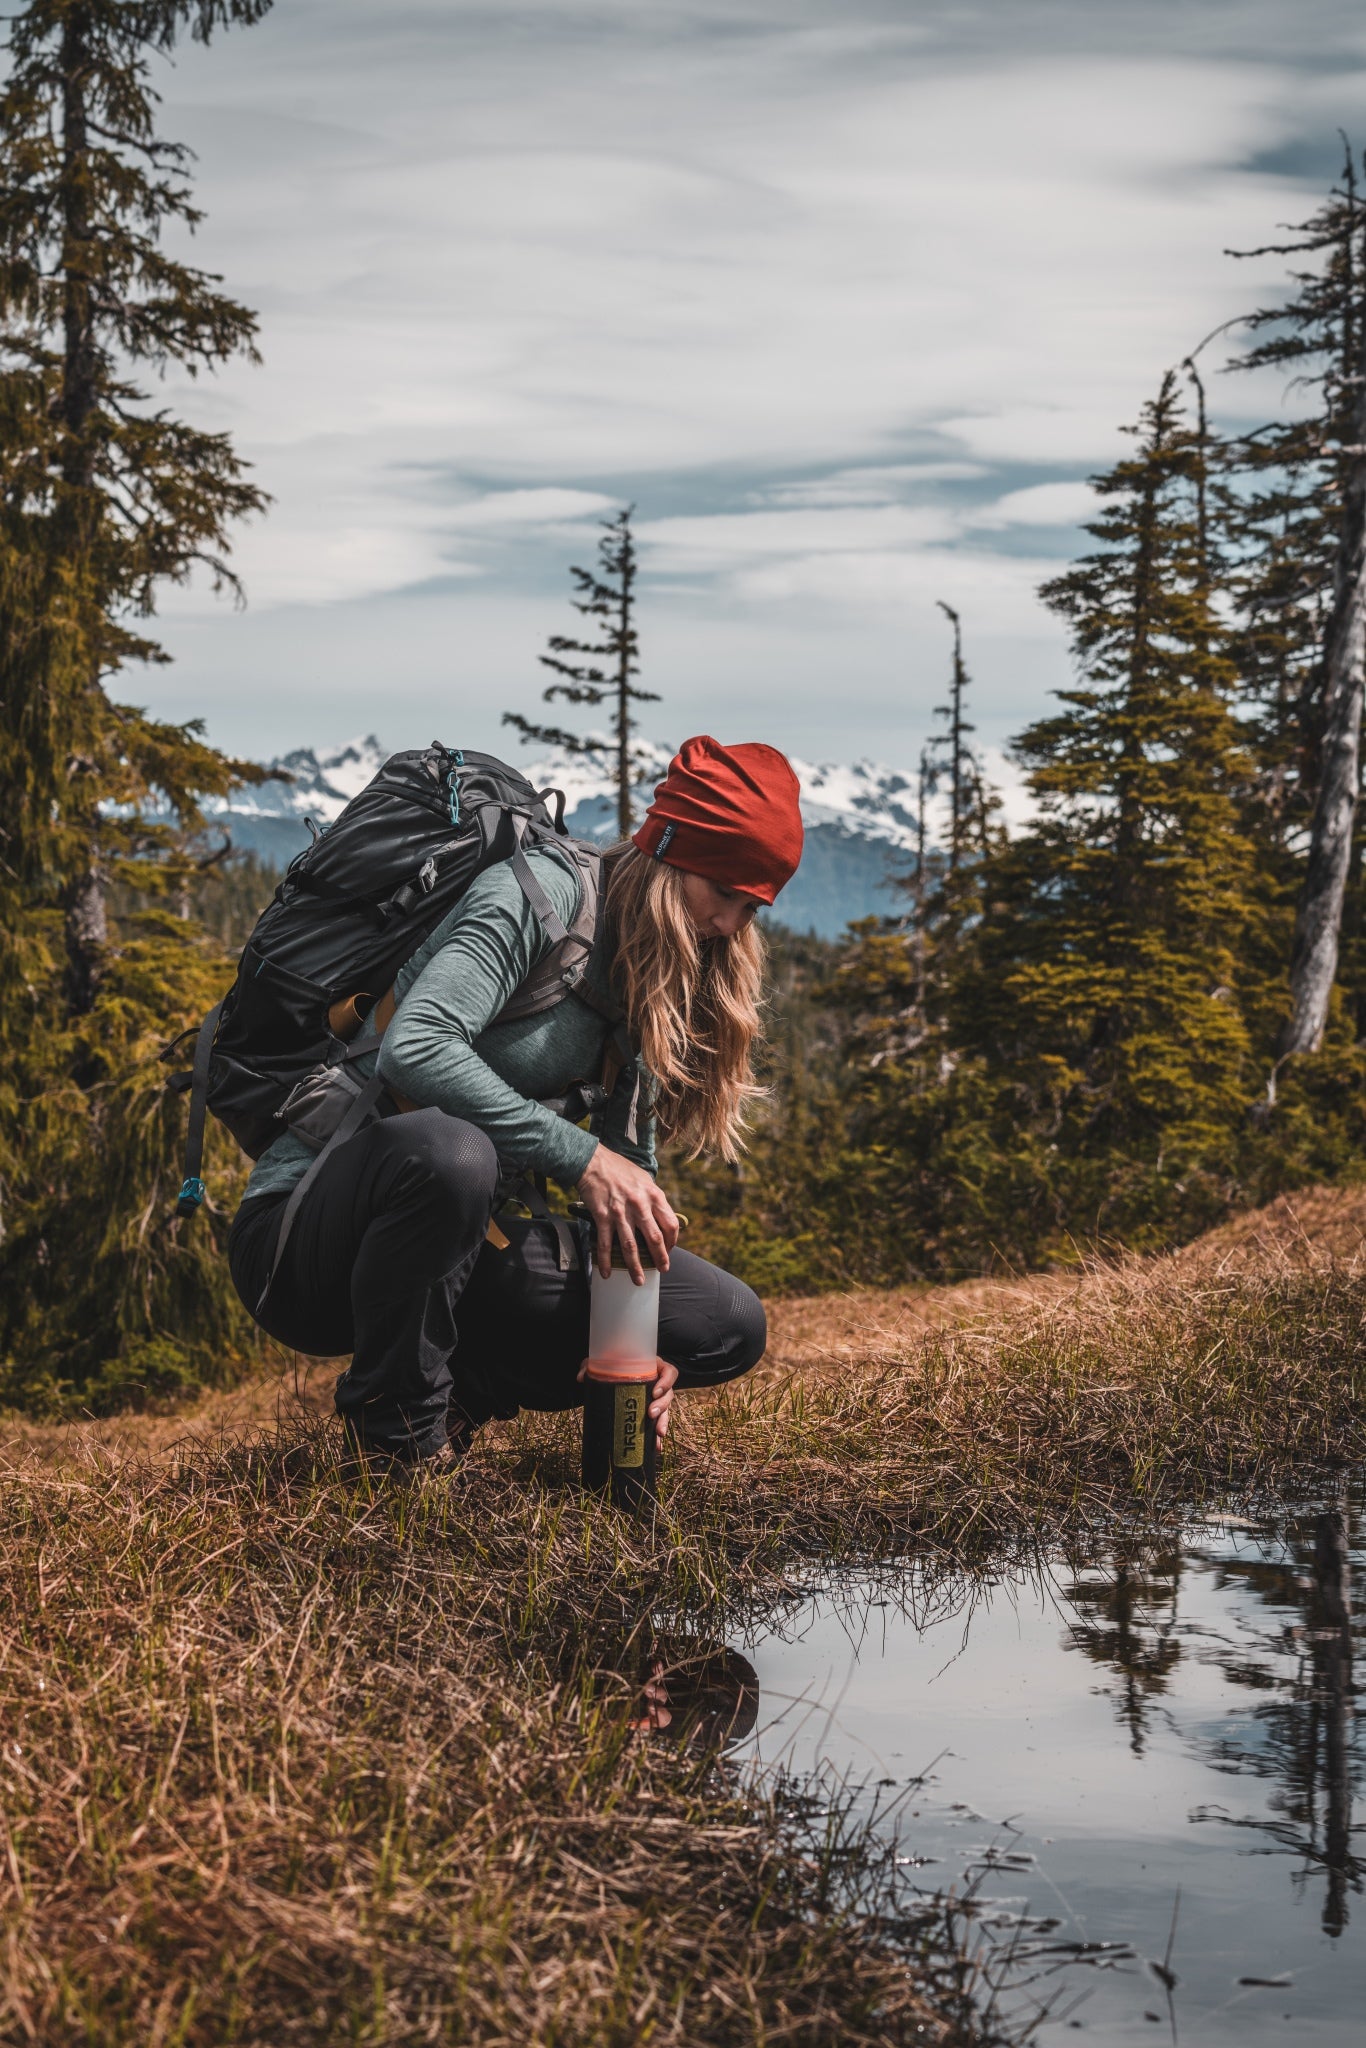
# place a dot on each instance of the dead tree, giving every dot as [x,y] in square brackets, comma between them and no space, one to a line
[1321,332]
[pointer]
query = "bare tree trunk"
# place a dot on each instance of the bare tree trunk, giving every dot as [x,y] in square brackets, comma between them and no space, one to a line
[87,922]
[921,796]
[627,572]
[956,747]
[87,938]
[623,759]
[1318,915]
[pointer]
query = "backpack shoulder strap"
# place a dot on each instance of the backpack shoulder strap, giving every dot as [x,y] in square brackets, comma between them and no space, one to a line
[555,929]
[192,1189]
[562,969]
[360,1112]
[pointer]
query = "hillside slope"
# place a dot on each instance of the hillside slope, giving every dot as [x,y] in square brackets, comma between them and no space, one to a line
[1317,1231]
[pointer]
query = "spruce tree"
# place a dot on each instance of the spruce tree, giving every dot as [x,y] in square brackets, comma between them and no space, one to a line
[895,984]
[104,495]
[954,745]
[1088,1059]
[1112,987]
[954,903]
[600,671]
[1300,522]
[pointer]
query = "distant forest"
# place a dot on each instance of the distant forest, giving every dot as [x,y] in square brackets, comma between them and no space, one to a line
[1108,1028]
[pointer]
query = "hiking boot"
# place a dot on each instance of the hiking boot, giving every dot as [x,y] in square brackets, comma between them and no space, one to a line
[387,1464]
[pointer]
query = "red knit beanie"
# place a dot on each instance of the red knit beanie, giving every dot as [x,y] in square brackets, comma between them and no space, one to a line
[729,813]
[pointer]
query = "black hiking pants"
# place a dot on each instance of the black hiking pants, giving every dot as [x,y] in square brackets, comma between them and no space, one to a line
[387,1260]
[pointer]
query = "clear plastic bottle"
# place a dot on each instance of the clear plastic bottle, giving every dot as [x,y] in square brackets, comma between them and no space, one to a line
[619,1447]
[623,1318]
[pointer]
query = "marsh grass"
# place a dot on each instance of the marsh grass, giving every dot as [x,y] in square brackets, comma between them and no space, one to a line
[287,1757]
[1127,1390]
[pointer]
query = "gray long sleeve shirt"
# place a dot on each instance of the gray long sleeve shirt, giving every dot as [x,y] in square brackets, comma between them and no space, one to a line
[443,1049]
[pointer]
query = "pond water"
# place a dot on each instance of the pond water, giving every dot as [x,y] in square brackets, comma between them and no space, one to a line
[1148,1768]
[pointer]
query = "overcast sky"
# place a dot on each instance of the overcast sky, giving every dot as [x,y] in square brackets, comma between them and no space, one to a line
[849,298]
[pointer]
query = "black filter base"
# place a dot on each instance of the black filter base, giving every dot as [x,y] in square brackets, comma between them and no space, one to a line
[619,1446]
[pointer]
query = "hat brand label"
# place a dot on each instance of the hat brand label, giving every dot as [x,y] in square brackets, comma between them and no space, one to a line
[665,841]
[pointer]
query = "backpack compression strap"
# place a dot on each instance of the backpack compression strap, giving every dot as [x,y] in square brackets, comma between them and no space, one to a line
[192,1191]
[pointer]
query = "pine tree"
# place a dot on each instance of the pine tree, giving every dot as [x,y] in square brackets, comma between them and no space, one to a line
[953,903]
[600,671]
[104,495]
[1112,987]
[1301,524]
[961,766]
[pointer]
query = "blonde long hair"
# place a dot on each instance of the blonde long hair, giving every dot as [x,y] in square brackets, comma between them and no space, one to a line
[692,1004]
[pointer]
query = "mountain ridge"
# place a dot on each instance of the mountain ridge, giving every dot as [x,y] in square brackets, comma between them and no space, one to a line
[860,825]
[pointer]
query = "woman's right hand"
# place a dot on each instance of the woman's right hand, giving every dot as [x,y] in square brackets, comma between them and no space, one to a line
[625,1203]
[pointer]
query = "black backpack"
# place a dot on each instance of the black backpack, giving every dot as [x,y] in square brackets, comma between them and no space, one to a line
[352,907]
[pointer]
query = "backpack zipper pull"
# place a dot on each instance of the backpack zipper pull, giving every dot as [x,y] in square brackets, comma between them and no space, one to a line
[457,761]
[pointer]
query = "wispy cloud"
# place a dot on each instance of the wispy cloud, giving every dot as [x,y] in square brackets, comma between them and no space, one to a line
[845,301]
[1059,504]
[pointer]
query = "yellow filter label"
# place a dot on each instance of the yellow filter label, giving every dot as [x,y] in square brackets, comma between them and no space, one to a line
[628,1446]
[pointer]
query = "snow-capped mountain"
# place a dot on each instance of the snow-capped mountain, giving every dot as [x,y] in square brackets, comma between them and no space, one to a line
[860,823]
[866,799]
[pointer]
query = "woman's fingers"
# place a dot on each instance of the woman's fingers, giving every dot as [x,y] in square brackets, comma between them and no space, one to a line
[627,1207]
[655,1242]
[665,1219]
[624,1226]
[666,1379]
[639,1224]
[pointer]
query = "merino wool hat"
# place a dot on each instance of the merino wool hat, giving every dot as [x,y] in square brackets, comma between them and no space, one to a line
[728,813]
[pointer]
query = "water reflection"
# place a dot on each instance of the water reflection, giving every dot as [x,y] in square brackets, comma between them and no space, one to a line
[1299,1735]
[1188,1817]
[1128,1622]
[697,1693]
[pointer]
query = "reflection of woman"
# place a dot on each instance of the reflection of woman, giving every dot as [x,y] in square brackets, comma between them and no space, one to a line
[388,1256]
[710,1697]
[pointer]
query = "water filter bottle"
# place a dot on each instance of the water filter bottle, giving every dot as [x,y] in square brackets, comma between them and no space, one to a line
[619,1376]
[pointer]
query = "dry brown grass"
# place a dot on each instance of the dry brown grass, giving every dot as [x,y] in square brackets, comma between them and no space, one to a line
[1064,1396]
[288,1761]
[1319,1231]
[285,1761]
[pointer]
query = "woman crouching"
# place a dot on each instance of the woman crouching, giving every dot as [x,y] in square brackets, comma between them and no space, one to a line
[393,1256]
